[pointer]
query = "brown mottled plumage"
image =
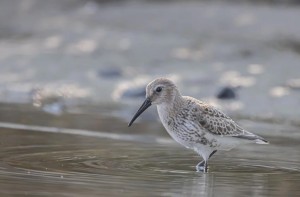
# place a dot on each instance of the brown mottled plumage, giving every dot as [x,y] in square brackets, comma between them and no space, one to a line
[193,123]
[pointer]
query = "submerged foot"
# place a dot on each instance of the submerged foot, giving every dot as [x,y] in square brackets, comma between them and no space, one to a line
[201,167]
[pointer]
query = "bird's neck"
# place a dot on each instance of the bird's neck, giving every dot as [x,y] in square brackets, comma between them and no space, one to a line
[167,108]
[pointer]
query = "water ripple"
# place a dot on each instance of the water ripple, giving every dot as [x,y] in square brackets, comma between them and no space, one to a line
[53,161]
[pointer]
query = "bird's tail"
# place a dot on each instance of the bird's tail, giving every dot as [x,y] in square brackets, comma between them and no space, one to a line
[250,136]
[261,140]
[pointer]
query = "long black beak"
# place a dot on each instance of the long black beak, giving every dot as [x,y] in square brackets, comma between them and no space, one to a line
[145,105]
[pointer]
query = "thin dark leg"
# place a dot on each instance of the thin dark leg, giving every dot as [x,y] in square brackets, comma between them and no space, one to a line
[212,153]
[205,167]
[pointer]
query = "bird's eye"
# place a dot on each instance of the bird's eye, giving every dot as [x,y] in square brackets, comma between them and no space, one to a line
[158,89]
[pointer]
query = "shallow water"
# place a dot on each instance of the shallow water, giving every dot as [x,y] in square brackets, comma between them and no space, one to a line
[47,161]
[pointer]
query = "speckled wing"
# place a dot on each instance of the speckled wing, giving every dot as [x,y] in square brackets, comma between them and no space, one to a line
[216,122]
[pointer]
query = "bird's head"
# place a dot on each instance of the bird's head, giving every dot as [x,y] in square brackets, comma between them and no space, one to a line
[159,91]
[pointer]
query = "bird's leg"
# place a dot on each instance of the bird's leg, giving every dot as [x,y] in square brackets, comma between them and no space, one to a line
[203,165]
[200,166]
[212,153]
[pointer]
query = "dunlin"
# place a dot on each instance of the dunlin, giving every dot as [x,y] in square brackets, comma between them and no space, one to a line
[193,123]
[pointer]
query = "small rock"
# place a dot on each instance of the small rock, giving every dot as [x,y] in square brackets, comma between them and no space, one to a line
[130,90]
[54,108]
[226,93]
[136,92]
[293,84]
[279,91]
[246,53]
[111,72]
[47,101]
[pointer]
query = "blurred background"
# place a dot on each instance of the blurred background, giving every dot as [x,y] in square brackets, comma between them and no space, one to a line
[58,55]
[81,67]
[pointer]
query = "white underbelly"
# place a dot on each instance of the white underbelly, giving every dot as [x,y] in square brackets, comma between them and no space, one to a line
[183,134]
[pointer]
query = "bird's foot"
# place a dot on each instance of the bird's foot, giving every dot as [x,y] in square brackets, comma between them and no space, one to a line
[201,167]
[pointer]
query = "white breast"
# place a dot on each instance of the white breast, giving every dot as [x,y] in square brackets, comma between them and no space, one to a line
[164,113]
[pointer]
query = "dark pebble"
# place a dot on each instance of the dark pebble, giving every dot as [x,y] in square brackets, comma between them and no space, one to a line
[112,72]
[138,92]
[246,53]
[294,84]
[227,93]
